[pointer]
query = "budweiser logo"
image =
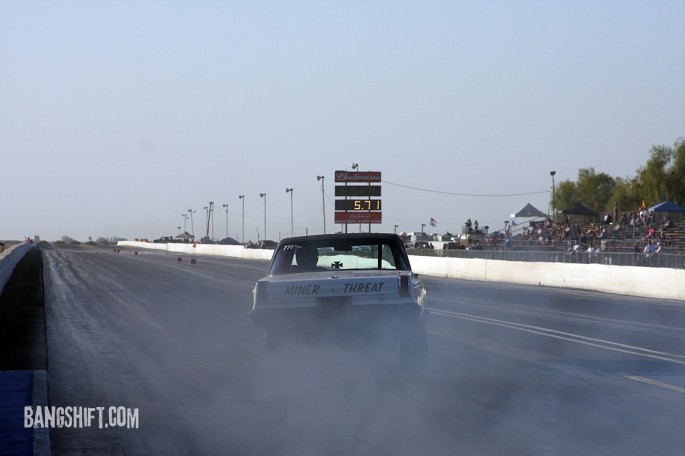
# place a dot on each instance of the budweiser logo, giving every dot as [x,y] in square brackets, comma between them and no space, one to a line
[358,176]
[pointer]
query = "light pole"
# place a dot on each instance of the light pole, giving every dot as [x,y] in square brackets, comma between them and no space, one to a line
[323,202]
[292,229]
[242,197]
[211,212]
[207,219]
[554,215]
[422,235]
[192,224]
[396,228]
[226,207]
[185,219]
[263,195]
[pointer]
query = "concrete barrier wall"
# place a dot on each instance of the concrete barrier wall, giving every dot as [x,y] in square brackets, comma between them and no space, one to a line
[236,251]
[662,283]
[9,259]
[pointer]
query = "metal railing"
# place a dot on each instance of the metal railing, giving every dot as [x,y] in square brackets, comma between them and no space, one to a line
[664,260]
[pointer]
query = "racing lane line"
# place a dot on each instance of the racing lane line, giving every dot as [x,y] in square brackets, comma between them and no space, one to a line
[560,315]
[652,382]
[608,345]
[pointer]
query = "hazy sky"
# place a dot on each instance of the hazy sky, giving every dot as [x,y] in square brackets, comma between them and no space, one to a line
[118,116]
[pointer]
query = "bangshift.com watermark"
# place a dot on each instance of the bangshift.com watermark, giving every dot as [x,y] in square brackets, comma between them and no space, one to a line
[81,417]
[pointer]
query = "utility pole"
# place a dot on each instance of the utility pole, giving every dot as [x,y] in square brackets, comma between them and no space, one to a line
[323,202]
[554,215]
[226,207]
[192,224]
[292,229]
[209,210]
[242,197]
[263,195]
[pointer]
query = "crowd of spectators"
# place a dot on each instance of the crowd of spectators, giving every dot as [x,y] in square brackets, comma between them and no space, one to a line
[627,231]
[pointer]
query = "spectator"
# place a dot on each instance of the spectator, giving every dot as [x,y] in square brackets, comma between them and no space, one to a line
[624,220]
[649,249]
[667,224]
[607,219]
[592,250]
[634,220]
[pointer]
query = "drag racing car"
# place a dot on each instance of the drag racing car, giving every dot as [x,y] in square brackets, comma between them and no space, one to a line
[347,288]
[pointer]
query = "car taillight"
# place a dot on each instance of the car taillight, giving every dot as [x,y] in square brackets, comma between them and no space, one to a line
[404,285]
[261,294]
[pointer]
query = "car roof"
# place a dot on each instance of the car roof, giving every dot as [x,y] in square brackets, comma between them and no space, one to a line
[341,236]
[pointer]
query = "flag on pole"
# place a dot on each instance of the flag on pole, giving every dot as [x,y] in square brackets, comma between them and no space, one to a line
[434,222]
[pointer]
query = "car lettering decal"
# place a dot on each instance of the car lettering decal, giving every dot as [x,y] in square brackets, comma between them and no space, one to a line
[363,287]
[297,290]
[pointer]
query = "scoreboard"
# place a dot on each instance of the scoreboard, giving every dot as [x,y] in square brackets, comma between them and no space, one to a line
[357,199]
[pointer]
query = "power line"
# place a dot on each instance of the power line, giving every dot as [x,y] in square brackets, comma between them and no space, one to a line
[464,194]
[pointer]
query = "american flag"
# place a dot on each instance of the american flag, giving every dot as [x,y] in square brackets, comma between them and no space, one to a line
[434,222]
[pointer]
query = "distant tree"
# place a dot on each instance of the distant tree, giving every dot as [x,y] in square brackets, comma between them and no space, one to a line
[565,195]
[661,178]
[592,190]
[653,178]
[677,171]
[625,194]
[595,189]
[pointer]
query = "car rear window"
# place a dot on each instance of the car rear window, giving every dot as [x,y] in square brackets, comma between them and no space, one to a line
[337,255]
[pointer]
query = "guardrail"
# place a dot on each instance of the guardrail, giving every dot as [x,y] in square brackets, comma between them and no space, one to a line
[664,260]
[9,259]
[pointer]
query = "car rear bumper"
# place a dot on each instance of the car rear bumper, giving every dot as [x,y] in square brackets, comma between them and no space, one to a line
[345,319]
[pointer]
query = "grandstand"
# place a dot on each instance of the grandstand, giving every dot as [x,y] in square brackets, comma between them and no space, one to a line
[607,243]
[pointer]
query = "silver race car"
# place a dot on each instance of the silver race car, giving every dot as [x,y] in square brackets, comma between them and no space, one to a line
[348,288]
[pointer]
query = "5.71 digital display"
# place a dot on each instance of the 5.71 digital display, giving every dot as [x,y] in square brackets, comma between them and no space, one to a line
[358,205]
